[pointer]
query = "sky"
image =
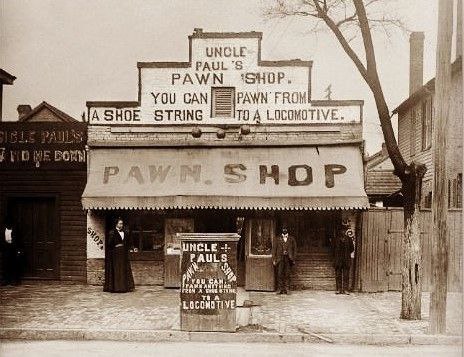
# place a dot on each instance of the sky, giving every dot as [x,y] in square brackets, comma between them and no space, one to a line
[67,52]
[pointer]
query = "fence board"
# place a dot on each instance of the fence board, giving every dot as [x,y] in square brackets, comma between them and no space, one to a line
[381,250]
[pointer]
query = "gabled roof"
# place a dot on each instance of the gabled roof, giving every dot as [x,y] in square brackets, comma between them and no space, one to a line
[60,115]
[380,179]
[6,78]
[429,87]
[382,182]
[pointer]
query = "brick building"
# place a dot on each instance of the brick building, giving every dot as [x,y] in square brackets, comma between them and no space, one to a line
[224,142]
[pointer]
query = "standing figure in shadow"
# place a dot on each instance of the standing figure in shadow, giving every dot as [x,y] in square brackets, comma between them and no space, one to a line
[343,247]
[118,272]
[12,253]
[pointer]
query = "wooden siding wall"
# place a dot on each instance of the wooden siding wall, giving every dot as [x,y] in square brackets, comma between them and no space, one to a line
[67,186]
[410,133]
[380,250]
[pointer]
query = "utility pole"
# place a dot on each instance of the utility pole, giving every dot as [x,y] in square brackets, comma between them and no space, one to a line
[440,179]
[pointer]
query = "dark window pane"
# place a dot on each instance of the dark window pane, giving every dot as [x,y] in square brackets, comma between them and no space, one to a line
[261,237]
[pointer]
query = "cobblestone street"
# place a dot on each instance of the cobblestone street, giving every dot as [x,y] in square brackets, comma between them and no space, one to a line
[155,308]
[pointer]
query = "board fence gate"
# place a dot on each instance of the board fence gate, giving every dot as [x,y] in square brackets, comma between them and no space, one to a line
[379,252]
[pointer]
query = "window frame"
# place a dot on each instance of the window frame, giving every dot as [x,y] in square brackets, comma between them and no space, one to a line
[426,120]
[412,132]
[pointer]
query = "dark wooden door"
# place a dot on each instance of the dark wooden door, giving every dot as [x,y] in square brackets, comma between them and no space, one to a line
[36,220]
[259,270]
[172,251]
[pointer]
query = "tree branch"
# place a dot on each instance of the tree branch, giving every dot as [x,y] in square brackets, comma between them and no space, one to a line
[343,41]
[373,81]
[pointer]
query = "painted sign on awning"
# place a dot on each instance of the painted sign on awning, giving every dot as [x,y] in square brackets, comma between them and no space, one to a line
[224,176]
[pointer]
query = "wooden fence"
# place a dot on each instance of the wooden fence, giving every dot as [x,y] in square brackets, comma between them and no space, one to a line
[379,252]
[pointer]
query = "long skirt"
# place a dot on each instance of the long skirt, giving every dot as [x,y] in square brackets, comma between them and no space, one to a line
[120,279]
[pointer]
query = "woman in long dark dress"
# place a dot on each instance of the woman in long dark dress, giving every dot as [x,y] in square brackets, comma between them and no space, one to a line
[118,272]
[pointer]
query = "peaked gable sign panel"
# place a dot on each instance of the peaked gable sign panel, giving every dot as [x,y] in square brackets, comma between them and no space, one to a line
[226,82]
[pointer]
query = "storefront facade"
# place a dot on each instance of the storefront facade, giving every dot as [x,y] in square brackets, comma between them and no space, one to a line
[225,142]
[43,174]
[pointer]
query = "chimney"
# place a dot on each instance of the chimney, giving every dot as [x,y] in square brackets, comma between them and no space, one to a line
[416,61]
[23,109]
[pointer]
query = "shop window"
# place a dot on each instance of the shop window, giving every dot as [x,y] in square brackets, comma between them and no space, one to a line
[222,104]
[147,232]
[172,226]
[262,231]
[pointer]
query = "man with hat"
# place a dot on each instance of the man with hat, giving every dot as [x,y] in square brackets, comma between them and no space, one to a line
[283,256]
[343,247]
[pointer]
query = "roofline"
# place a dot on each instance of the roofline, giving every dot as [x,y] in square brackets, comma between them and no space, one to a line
[111,104]
[198,33]
[426,89]
[6,78]
[59,113]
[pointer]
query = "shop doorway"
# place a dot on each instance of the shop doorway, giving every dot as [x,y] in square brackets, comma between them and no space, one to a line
[36,219]
[313,231]
[172,249]
[225,221]
[259,235]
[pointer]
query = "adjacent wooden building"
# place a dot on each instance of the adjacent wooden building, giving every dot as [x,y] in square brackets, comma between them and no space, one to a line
[379,259]
[43,173]
[415,126]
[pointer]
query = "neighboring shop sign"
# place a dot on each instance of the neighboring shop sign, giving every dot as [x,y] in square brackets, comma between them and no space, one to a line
[42,145]
[226,82]
[208,281]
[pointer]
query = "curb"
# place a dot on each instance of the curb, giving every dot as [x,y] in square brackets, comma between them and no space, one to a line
[218,337]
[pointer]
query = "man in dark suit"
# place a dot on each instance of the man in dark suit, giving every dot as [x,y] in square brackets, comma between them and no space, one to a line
[11,254]
[283,256]
[343,247]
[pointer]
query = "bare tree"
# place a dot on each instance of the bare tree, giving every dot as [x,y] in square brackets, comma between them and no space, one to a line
[347,19]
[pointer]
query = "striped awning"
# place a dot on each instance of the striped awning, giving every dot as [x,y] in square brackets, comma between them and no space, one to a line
[277,178]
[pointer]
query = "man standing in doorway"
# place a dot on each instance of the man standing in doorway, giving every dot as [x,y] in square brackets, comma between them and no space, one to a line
[283,256]
[343,247]
[11,254]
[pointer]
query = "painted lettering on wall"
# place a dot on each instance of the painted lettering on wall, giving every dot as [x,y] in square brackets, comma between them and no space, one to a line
[258,91]
[43,145]
[114,115]
[94,237]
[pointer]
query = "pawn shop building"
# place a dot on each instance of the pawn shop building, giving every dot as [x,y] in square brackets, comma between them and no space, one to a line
[224,142]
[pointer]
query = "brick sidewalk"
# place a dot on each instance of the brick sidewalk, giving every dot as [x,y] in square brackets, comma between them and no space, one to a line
[155,308]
